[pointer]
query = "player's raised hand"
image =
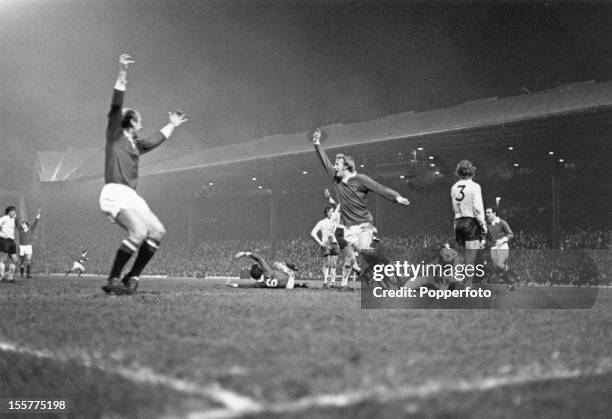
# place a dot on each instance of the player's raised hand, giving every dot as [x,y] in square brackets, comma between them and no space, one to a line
[124,61]
[316,136]
[177,118]
[326,193]
[402,200]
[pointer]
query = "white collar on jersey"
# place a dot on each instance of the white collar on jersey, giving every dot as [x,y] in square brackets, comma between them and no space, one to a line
[349,176]
[131,138]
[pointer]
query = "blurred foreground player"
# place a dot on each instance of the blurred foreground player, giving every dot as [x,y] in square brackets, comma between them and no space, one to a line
[78,265]
[26,233]
[277,275]
[470,225]
[118,198]
[352,189]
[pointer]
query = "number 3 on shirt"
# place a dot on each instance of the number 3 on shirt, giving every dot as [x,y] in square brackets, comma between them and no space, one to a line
[460,198]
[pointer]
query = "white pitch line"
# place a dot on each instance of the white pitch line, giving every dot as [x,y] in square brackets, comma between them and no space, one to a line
[231,400]
[383,394]
[237,405]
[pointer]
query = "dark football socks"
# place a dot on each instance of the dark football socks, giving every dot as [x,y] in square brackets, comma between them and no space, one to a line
[146,252]
[122,257]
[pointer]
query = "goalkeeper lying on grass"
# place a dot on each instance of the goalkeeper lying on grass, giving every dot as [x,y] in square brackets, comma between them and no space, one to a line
[279,275]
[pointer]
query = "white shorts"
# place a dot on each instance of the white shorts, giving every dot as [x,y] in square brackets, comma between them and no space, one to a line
[359,235]
[115,197]
[77,266]
[499,255]
[25,250]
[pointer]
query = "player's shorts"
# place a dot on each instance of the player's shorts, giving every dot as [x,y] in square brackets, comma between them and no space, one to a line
[25,250]
[359,236]
[8,246]
[115,197]
[499,255]
[339,235]
[77,266]
[466,229]
[330,250]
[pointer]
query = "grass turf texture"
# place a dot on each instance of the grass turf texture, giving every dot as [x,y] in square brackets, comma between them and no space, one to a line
[277,346]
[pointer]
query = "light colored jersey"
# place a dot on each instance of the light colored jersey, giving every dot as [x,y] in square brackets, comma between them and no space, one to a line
[327,227]
[7,227]
[466,198]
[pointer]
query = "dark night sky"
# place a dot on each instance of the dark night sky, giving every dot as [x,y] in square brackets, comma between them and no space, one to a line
[245,69]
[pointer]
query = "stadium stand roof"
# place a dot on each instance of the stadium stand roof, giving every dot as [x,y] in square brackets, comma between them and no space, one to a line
[470,123]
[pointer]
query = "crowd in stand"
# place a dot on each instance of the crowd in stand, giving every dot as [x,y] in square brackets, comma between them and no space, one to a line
[531,259]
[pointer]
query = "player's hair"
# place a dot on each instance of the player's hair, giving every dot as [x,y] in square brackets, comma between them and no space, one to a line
[349,162]
[497,211]
[291,266]
[256,272]
[465,169]
[129,115]
[327,208]
[9,209]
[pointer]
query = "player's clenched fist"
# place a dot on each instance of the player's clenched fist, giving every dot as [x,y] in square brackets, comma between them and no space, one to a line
[316,136]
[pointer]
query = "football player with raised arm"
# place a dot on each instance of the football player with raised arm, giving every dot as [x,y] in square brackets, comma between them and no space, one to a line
[118,199]
[352,189]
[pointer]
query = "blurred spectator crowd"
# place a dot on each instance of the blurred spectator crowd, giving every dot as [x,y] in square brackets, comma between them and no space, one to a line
[585,257]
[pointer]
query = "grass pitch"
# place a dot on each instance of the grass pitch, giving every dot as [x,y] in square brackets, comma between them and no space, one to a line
[195,348]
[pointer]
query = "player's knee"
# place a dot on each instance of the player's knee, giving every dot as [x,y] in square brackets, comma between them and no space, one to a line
[137,235]
[158,232]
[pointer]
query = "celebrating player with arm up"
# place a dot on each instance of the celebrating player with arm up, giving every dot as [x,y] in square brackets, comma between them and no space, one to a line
[118,198]
[352,189]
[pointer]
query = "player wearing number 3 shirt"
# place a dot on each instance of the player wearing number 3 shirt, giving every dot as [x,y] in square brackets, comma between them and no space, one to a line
[279,275]
[470,225]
